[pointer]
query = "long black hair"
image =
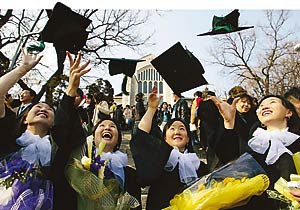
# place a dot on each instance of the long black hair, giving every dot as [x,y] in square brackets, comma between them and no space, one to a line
[118,145]
[294,121]
[189,146]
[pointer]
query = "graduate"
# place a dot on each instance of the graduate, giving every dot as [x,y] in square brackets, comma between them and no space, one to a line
[166,164]
[272,143]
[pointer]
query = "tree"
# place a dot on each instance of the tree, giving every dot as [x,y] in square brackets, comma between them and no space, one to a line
[109,28]
[264,66]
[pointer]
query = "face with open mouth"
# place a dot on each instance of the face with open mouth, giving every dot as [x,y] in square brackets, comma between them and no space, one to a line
[271,112]
[176,135]
[41,114]
[107,131]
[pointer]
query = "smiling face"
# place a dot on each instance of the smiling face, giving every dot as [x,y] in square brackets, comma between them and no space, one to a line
[40,114]
[243,105]
[273,114]
[107,131]
[176,135]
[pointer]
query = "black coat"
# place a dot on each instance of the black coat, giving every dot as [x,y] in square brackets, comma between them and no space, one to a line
[182,110]
[150,155]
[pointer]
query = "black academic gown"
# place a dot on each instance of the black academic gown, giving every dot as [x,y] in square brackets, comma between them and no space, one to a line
[150,155]
[8,133]
[227,149]
[69,135]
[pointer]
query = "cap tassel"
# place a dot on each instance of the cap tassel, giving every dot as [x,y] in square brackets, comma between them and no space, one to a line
[124,83]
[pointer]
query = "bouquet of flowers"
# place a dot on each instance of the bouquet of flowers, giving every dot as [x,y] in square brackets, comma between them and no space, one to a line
[282,192]
[95,183]
[22,185]
[244,177]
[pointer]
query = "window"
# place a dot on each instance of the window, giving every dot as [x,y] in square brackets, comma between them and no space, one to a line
[147,74]
[161,88]
[140,86]
[145,87]
[150,87]
[139,76]
[151,74]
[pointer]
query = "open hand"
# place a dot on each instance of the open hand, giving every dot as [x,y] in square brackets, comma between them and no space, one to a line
[29,61]
[76,71]
[153,100]
[227,110]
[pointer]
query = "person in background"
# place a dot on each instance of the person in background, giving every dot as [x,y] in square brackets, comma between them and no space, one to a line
[164,115]
[180,109]
[101,110]
[112,109]
[293,96]
[139,110]
[127,112]
[26,97]
[245,115]
[195,121]
[89,106]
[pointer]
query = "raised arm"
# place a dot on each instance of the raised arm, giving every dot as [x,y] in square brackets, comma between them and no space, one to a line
[8,80]
[228,111]
[67,131]
[153,102]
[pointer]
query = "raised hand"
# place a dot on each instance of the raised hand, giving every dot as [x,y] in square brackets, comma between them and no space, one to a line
[29,61]
[153,100]
[76,71]
[227,110]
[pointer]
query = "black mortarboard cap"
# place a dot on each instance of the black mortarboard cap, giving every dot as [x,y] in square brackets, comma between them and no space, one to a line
[180,69]
[227,24]
[66,29]
[122,65]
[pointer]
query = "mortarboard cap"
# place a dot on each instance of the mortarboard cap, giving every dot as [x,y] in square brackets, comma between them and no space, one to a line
[122,65]
[227,24]
[180,69]
[66,29]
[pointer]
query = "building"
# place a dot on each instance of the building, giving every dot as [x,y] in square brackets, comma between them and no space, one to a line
[144,79]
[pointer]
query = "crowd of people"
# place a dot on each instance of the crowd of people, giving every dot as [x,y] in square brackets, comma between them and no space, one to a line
[52,141]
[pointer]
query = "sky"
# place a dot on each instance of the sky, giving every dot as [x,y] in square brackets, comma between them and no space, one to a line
[181,22]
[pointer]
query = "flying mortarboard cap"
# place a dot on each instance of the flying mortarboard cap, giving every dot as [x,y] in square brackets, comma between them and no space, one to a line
[180,69]
[227,24]
[66,29]
[122,65]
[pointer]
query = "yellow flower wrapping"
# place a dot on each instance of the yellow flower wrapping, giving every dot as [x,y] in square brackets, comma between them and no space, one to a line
[220,195]
[95,193]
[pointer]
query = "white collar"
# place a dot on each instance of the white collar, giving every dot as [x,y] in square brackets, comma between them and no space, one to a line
[188,165]
[277,140]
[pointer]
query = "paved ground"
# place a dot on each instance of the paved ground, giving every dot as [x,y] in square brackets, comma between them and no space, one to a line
[126,149]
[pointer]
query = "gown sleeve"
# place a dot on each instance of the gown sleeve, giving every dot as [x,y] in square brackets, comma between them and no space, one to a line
[67,131]
[150,154]
[8,135]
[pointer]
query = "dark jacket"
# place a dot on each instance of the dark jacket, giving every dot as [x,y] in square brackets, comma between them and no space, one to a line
[182,111]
